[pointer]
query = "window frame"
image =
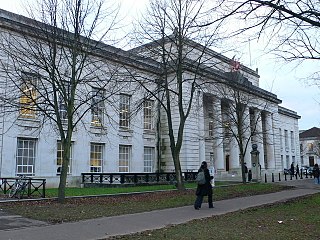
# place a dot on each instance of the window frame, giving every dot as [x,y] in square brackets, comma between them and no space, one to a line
[28,96]
[124,111]
[59,154]
[97,106]
[148,159]
[27,156]
[125,154]
[148,123]
[99,156]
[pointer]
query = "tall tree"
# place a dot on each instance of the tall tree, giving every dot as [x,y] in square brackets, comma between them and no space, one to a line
[171,27]
[53,71]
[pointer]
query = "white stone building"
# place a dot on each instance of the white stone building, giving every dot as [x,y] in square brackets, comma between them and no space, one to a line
[310,146]
[130,143]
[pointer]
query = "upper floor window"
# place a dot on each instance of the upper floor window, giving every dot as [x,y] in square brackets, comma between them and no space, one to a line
[28,96]
[310,147]
[124,117]
[62,108]
[281,140]
[286,140]
[292,140]
[148,114]
[97,106]
[211,128]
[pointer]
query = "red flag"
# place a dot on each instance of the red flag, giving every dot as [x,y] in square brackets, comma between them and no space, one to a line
[235,65]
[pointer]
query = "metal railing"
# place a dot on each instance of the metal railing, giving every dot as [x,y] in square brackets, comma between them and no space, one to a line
[135,178]
[35,187]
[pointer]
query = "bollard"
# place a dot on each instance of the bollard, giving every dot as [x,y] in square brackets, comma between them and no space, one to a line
[290,176]
[306,173]
[285,177]
[265,178]
[279,177]
[272,178]
[301,174]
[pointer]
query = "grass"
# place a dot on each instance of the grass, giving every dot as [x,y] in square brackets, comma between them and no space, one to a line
[76,209]
[296,219]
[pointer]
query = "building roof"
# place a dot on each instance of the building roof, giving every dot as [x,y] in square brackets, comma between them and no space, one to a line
[310,133]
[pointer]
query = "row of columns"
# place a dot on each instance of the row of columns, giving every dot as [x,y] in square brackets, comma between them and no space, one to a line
[264,133]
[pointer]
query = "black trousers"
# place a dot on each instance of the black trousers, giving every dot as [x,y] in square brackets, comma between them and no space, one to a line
[199,200]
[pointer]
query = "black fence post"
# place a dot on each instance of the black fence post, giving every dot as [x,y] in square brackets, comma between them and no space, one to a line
[285,177]
[306,173]
[279,177]
[43,188]
[29,187]
[272,178]
[265,178]
[301,174]
[290,176]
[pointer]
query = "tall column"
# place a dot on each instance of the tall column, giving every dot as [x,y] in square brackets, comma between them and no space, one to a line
[259,136]
[247,131]
[218,135]
[270,141]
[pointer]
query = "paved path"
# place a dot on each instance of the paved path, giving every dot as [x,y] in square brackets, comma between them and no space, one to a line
[26,229]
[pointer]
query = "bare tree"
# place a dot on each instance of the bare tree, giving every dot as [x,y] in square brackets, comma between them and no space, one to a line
[171,28]
[289,29]
[54,71]
[239,123]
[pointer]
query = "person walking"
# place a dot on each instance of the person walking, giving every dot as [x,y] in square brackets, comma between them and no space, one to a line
[204,189]
[297,171]
[316,173]
[292,169]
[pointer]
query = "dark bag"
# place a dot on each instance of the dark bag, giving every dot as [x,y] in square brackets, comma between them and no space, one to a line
[201,179]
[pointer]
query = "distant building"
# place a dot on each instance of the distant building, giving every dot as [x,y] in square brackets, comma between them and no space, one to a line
[310,146]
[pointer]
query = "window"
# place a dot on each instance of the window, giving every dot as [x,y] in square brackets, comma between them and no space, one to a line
[310,147]
[124,158]
[26,154]
[60,158]
[124,111]
[211,128]
[148,159]
[147,115]
[28,97]
[292,141]
[286,142]
[96,157]
[97,106]
[281,142]
[62,108]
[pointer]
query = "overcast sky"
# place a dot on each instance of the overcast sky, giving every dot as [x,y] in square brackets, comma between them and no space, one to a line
[286,81]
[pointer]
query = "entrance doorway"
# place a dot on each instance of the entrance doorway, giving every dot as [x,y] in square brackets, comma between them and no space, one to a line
[311,161]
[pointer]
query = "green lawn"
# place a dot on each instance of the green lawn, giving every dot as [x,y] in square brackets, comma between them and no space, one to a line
[76,209]
[297,219]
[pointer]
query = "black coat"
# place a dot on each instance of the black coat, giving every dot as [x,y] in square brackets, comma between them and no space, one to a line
[205,189]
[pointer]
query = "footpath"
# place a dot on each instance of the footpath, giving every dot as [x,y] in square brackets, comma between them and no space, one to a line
[13,227]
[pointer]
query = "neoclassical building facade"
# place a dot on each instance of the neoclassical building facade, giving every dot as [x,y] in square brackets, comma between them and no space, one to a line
[139,142]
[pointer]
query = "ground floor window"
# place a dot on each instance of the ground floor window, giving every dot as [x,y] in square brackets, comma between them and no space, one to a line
[60,158]
[26,154]
[124,158]
[96,157]
[148,159]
